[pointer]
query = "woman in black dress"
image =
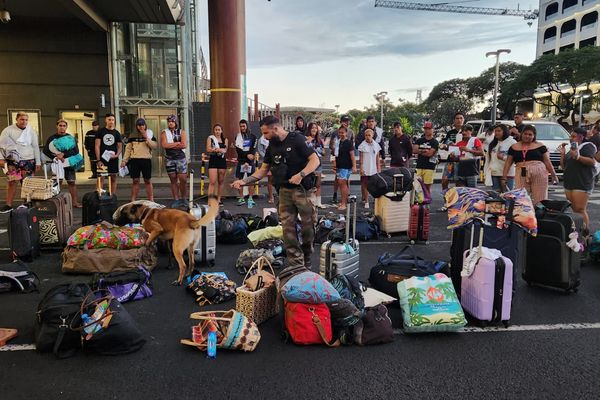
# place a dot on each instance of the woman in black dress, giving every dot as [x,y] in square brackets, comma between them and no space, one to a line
[216,147]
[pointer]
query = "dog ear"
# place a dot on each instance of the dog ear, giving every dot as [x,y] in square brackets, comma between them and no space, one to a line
[134,208]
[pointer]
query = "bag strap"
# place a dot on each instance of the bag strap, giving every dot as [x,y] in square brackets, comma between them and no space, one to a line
[62,331]
[317,321]
[259,264]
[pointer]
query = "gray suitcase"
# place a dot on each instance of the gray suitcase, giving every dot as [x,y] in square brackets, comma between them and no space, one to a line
[206,249]
[341,258]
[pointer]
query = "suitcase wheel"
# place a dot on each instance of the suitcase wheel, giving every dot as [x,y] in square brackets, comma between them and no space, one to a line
[211,263]
[506,323]
[412,242]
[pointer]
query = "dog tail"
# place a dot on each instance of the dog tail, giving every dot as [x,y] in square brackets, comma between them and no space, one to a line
[213,211]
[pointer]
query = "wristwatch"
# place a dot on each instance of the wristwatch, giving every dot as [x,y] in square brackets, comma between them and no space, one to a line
[302,174]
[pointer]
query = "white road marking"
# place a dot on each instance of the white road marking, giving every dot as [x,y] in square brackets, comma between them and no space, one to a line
[3,231]
[17,347]
[525,328]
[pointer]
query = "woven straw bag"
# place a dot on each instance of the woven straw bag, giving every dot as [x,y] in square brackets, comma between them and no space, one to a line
[39,188]
[261,304]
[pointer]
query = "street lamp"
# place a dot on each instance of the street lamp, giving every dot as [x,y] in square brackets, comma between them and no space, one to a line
[380,97]
[337,108]
[495,103]
[581,97]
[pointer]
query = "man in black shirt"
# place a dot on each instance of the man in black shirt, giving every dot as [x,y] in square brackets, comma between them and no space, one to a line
[400,147]
[292,164]
[90,147]
[516,130]
[245,146]
[450,140]
[108,147]
[426,147]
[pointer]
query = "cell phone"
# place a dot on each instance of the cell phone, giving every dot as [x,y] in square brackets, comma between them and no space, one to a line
[574,146]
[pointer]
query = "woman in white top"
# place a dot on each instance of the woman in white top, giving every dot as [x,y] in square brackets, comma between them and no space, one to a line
[497,153]
[369,163]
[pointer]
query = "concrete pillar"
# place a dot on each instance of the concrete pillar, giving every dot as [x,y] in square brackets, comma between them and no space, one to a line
[578,30]
[227,42]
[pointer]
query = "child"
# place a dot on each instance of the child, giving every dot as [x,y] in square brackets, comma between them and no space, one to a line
[344,165]
[369,163]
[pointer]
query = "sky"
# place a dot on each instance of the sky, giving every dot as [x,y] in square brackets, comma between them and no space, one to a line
[322,53]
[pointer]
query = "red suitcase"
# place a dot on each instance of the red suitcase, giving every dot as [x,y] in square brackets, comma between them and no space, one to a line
[418,227]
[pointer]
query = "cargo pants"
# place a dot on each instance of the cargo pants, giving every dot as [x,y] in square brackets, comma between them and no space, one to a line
[294,202]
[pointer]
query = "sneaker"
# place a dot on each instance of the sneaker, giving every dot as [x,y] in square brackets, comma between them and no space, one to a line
[6,209]
[251,203]
[241,201]
[334,199]
[366,205]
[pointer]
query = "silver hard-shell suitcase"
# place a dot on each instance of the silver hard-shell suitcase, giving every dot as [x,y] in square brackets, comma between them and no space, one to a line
[341,258]
[206,249]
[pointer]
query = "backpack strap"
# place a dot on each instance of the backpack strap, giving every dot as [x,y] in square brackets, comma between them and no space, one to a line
[317,321]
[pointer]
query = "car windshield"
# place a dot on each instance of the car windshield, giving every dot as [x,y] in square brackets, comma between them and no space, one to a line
[551,132]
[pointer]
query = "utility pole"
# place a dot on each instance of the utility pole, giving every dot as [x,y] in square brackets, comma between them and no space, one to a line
[381,96]
[495,102]
[581,97]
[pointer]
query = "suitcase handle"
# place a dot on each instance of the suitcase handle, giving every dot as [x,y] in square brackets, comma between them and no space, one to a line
[191,194]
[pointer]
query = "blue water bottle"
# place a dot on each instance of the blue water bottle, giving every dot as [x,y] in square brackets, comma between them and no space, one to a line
[211,350]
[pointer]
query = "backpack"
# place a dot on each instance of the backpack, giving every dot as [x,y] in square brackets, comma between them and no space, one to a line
[232,230]
[375,327]
[350,288]
[368,227]
[326,225]
[253,221]
[17,276]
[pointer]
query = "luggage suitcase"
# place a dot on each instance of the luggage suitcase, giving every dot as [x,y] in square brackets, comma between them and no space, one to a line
[395,215]
[418,229]
[98,205]
[24,233]
[549,262]
[206,249]
[341,258]
[487,293]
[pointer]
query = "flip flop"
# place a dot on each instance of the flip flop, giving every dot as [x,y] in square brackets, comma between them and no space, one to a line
[6,334]
[77,206]
[187,342]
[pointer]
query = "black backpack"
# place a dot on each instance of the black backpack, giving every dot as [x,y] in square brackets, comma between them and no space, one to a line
[17,276]
[60,308]
[351,289]
[393,183]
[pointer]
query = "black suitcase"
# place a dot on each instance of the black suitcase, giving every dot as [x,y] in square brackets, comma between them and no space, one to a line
[98,205]
[511,241]
[24,233]
[549,262]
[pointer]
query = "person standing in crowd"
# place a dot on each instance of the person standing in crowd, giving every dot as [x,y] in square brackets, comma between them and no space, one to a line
[216,147]
[292,163]
[489,138]
[533,165]
[108,147]
[62,146]
[400,148]
[138,158]
[593,136]
[471,151]
[372,125]
[426,148]
[333,147]
[245,146]
[579,166]
[300,126]
[314,141]
[344,166]
[19,154]
[450,140]
[517,130]
[369,163]
[90,147]
[497,155]
[174,141]
[263,144]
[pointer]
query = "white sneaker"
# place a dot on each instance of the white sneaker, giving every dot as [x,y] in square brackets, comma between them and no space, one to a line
[366,205]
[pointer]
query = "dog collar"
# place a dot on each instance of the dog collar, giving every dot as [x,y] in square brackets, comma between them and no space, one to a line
[144,214]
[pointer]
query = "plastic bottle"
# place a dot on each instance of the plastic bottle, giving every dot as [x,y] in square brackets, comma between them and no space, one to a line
[211,349]
[88,322]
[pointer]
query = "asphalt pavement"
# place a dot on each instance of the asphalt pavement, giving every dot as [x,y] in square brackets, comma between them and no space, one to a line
[551,350]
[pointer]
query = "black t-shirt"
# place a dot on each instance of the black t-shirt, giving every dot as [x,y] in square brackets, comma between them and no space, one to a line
[108,139]
[530,155]
[90,141]
[289,156]
[451,136]
[424,162]
[578,176]
[400,150]
[343,160]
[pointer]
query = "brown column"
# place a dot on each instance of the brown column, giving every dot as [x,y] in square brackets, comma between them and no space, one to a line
[227,39]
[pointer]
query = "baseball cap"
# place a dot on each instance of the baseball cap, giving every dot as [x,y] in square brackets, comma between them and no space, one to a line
[172,117]
[428,125]
[140,121]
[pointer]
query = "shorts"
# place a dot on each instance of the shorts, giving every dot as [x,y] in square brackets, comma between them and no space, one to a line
[20,169]
[70,174]
[216,162]
[343,173]
[112,166]
[139,166]
[238,171]
[450,170]
[364,179]
[176,166]
[426,175]
[589,192]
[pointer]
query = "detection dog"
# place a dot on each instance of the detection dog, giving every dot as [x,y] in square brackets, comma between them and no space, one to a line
[172,224]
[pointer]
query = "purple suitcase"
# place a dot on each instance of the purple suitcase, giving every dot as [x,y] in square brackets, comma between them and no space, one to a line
[486,294]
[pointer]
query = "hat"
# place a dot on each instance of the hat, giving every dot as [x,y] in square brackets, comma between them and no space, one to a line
[468,127]
[140,121]
[428,125]
[344,118]
[172,117]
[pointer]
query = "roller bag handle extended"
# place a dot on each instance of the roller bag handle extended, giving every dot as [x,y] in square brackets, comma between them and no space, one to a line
[351,200]
[191,189]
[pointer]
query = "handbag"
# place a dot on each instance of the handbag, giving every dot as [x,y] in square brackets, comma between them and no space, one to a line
[234,330]
[34,188]
[17,276]
[257,298]
[59,308]
[105,326]
[212,289]
[309,287]
[375,327]
[309,324]
[125,286]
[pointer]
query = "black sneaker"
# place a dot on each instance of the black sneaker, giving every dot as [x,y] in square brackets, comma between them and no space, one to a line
[334,199]
[6,209]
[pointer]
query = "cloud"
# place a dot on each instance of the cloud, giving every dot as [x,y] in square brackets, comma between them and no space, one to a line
[304,32]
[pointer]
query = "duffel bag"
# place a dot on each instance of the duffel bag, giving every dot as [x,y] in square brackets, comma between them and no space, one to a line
[248,257]
[392,183]
[368,228]
[375,327]
[89,261]
[106,235]
[231,231]
[391,269]
[106,327]
[17,276]
[125,285]
[252,220]
[309,323]
[60,308]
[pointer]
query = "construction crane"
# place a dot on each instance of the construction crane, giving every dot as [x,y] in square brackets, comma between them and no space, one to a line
[528,15]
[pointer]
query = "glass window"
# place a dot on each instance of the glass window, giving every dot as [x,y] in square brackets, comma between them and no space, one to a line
[550,132]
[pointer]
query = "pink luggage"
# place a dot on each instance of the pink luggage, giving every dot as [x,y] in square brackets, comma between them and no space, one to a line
[486,294]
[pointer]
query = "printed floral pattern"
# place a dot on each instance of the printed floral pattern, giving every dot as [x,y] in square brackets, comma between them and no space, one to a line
[115,237]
